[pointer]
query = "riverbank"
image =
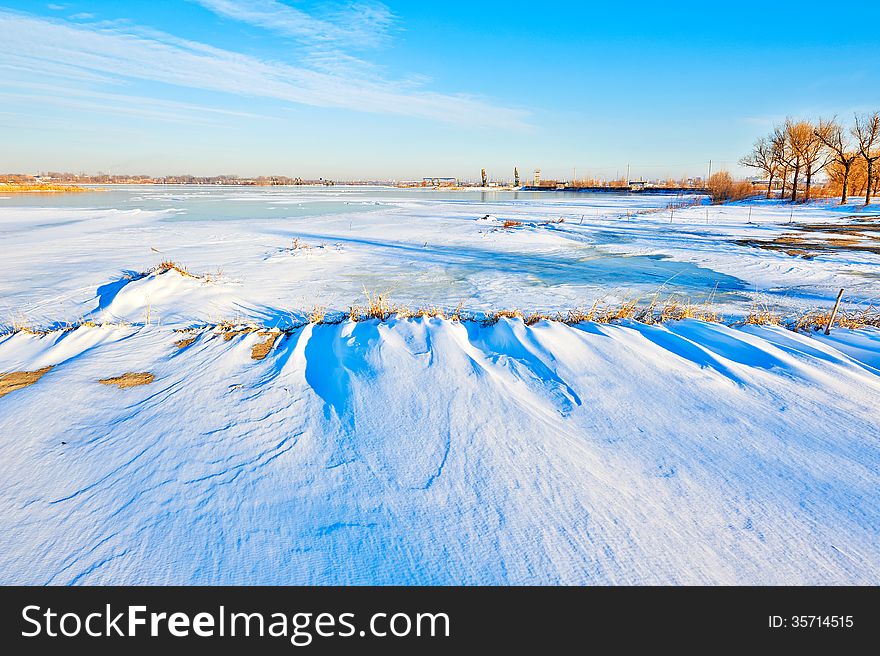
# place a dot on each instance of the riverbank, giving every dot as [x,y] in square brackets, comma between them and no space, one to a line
[38,187]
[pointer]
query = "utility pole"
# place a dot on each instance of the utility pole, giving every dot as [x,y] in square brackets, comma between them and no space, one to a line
[710,170]
[627,174]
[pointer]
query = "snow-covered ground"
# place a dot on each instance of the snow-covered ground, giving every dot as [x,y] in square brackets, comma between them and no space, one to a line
[426,450]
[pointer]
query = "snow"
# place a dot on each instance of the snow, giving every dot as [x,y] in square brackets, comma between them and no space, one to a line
[428,451]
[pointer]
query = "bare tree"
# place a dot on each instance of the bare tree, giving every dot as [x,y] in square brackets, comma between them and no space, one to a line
[832,135]
[797,136]
[780,150]
[809,153]
[867,133]
[764,157]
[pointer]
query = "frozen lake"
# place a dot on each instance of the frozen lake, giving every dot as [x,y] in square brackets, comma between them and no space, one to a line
[420,247]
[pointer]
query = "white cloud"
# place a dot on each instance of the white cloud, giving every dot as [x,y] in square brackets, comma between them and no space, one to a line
[357,24]
[121,54]
[114,103]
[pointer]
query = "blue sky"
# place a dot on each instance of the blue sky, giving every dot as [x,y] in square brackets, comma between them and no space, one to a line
[367,89]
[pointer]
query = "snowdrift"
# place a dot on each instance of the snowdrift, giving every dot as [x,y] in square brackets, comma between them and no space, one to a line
[426,451]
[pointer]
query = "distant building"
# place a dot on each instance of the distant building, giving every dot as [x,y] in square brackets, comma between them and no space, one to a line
[440,182]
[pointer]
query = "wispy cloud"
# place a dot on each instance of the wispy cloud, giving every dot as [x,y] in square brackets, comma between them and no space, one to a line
[122,53]
[131,105]
[357,24]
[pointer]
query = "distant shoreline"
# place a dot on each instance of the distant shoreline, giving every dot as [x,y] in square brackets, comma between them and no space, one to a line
[655,191]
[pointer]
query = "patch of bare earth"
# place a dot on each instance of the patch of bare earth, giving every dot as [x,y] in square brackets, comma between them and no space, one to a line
[812,239]
[16,380]
[261,350]
[130,379]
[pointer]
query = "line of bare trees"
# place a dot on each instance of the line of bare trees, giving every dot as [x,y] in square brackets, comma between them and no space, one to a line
[797,151]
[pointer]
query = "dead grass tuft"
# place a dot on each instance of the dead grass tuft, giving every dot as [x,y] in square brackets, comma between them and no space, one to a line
[168,265]
[261,349]
[511,224]
[16,380]
[535,317]
[428,312]
[130,379]
[183,343]
[675,309]
[760,314]
[318,314]
[456,313]
[493,316]
[763,317]
[853,319]
[377,307]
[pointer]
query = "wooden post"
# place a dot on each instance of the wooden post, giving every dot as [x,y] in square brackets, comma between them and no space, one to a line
[833,313]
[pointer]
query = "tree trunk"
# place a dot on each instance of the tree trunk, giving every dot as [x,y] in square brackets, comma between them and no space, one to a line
[846,166]
[784,182]
[807,187]
[870,181]
[794,181]
[770,185]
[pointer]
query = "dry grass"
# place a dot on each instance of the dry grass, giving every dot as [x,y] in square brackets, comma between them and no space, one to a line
[676,311]
[456,314]
[168,265]
[22,326]
[429,312]
[16,380]
[377,306]
[492,316]
[511,224]
[535,317]
[318,314]
[723,188]
[261,349]
[853,319]
[763,317]
[130,379]
[27,187]
[626,310]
